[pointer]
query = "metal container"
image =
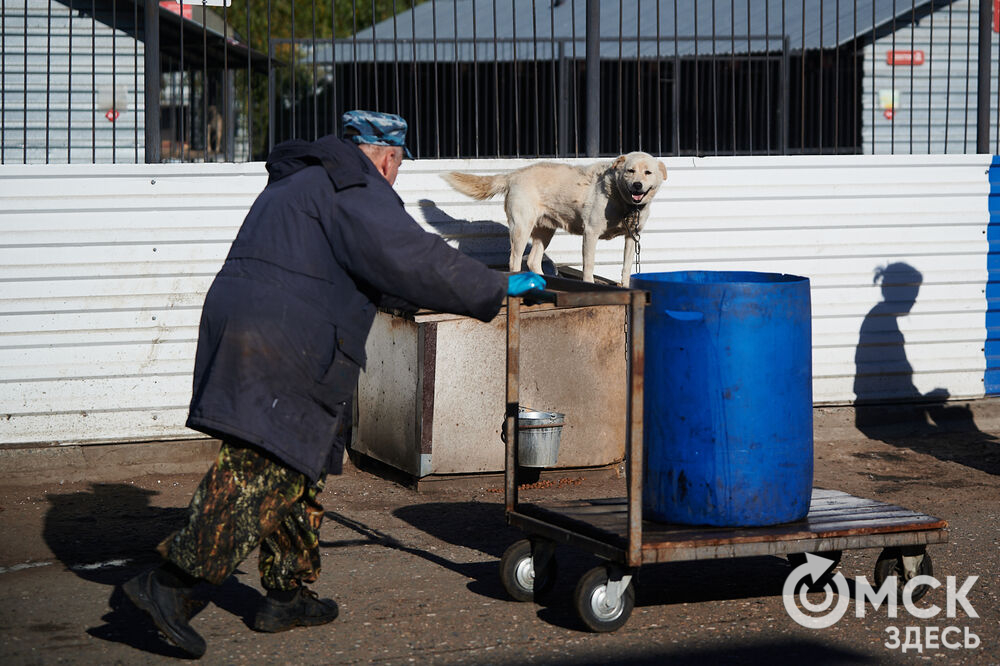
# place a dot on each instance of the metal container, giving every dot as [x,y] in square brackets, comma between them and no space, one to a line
[538,437]
[431,402]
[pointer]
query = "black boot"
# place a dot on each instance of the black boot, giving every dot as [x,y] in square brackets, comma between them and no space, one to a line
[166,599]
[300,607]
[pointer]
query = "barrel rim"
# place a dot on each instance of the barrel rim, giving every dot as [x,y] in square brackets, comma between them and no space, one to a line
[700,278]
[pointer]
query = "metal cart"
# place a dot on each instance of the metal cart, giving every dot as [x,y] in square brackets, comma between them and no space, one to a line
[614,530]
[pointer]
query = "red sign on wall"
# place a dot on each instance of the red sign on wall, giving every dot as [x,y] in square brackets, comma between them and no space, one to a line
[911,58]
[175,7]
[996,15]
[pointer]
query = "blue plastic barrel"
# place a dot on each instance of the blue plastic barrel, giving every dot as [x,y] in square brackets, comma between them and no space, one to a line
[728,438]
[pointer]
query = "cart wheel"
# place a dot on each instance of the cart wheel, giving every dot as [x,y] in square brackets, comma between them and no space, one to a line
[591,601]
[518,575]
[890,563]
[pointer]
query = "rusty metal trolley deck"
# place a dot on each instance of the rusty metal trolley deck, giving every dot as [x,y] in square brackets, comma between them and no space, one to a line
[614,530]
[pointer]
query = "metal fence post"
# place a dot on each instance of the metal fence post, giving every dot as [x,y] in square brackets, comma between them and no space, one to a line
[563,102]
[151,81]
[983,75]
[593,92]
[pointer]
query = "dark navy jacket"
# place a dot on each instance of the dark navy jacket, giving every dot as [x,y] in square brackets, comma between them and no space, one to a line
[283,329]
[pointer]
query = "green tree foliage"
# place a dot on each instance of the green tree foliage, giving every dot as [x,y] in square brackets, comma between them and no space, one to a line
[303,21]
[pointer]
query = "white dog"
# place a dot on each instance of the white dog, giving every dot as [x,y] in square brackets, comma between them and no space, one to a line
[603,200]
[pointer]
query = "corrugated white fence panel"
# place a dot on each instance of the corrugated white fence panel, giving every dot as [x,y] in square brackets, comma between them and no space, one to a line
[834,219]
[837,221]
[103,270]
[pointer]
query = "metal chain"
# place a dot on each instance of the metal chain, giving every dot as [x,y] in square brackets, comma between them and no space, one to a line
[633,233]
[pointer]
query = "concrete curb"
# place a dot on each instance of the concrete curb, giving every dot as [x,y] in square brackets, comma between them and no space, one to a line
[105,463]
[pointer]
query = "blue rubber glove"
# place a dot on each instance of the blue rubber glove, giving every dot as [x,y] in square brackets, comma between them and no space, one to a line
[519,284]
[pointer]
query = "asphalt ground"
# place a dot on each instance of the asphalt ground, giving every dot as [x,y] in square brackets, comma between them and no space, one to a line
[416,573]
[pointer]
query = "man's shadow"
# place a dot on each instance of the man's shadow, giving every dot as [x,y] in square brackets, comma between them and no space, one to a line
[889,407]
[109,534]
[487,240]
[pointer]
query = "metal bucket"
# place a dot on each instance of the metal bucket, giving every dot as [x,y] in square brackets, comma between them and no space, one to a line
[538,437]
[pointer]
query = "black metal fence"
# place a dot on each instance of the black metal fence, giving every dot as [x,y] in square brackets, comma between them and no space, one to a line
[225,80]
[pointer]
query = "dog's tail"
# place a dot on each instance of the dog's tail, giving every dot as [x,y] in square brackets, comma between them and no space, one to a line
[477,187]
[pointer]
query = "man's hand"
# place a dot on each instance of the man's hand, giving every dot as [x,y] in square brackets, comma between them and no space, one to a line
[519,284]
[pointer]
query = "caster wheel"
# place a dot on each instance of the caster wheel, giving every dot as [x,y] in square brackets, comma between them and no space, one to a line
[592,602]
[890,563]
[518,575]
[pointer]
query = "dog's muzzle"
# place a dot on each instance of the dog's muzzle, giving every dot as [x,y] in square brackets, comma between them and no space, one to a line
[637,193]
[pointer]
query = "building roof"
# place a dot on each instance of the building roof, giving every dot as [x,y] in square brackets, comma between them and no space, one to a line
[503,29]
[207,37]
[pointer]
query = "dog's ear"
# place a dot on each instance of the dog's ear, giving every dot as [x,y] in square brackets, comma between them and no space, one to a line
[617,164]
[663,169]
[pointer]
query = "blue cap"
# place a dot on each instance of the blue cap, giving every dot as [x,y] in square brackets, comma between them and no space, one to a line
[375,127]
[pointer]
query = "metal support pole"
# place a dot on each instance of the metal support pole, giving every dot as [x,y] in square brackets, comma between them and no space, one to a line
[272,106]
[633,449]
[593,128]
[784,112]
[230,116]
[513,399]
[151,81]
[564,103]
[983,87]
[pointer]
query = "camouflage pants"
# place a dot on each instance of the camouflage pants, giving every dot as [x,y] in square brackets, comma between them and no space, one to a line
[248,499]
